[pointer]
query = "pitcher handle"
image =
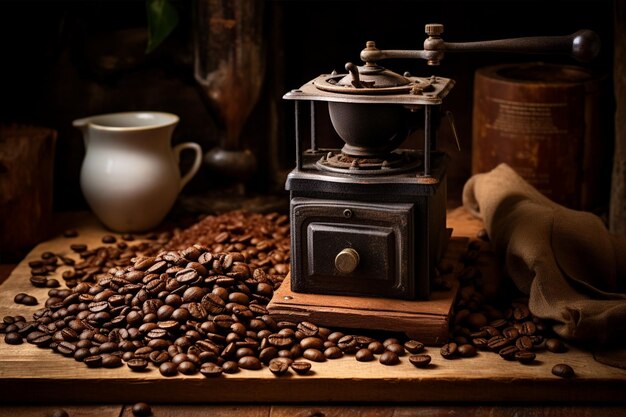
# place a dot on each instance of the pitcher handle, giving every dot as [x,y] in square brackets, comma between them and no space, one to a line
[196,163]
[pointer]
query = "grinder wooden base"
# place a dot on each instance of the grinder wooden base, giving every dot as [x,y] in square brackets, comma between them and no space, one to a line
[424,320]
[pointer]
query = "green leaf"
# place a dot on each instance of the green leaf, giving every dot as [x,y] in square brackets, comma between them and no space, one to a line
[162,19]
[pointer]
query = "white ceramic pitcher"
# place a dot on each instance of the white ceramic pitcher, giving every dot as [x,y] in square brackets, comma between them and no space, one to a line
[130,175]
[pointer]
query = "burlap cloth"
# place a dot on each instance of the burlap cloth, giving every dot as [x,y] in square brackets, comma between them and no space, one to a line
[566,261]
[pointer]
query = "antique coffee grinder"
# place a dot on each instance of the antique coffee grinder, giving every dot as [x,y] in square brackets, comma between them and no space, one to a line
[368,220]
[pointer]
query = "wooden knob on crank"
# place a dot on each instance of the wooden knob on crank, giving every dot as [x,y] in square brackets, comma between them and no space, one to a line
[347,260]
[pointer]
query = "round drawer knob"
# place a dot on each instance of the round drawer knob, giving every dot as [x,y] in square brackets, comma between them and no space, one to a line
[347,260]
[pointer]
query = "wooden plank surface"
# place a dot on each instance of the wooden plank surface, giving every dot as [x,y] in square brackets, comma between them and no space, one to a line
[33,375]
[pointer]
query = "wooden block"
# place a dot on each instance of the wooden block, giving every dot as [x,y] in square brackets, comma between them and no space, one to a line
[424,320]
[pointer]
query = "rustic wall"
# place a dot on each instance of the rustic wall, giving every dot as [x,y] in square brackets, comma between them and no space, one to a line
[63,60]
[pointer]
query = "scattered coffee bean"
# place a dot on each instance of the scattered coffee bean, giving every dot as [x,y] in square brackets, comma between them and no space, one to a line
[279,366]
[111,361]
[78,247]
[13,338]
[250,363]
[230,367]
[389,358]
[141,410]
[364,355]
[301,367]
[396,348]
[25,299]
[413,346]
[137,364]
[168,369]
[420,361]
[525,357]
[449,350]
[333,352]
[314,355]
[563,370]
[555,346]
[376,347]
[508,352]
[108,239]
[38,281]
[211,370]
[94,361]
[466,350]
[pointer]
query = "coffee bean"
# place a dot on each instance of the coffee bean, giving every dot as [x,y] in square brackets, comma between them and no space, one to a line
[347,344]
[187,368]
[333,352]
[137,364]
[508,352]
[312,342]
[524,356]
[52,283]
[13,338]
[314,355]
[279,366]
[466,351]
[396,348]
[301,367]
[555,346]
[308,329]
[78,247]
[528,328]
[168,369]
[389,358]
[94,361]
[364,355]
[511,333]
[279,340]
[563,370]
[496,343]
[449,350]
[108,239]
[230,367]
[420,361]
[376,347]
[250,362]
[211,370]
[480,343]
[141,410]
[111,361]
[38,281]
[413,346]
[524,343]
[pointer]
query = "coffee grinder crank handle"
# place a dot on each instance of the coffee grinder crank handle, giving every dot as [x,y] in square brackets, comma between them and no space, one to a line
[583,45]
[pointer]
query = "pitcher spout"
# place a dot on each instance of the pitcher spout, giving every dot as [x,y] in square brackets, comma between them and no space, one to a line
[83,125]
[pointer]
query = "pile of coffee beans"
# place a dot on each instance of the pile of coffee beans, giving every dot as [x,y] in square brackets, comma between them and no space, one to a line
[263,240]
[506,328]
[194,301]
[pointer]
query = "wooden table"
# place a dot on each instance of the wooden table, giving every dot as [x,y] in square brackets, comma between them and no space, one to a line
[484,385]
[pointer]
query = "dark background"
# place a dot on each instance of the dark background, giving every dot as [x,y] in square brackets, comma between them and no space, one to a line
[66,60]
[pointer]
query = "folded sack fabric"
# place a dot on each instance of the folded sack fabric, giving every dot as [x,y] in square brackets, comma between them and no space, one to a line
[566,261]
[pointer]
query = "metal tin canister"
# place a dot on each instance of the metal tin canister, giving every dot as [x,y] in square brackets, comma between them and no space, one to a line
[543,121]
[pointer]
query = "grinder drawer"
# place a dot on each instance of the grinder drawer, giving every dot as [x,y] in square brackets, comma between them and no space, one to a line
[352,248]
